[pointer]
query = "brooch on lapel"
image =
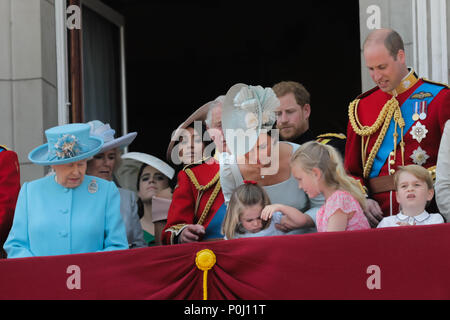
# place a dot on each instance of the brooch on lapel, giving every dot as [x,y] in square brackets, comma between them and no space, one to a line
[92,187]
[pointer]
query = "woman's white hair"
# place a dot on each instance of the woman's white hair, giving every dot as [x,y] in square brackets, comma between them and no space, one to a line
[216,103]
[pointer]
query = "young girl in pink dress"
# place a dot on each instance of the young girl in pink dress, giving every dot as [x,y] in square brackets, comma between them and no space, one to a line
[319,169]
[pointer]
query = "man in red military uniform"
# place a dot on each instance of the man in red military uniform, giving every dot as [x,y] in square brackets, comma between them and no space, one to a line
[399,122]
[9,191]
[198,207]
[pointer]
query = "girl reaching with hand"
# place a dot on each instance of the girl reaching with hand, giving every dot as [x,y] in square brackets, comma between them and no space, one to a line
[319,169]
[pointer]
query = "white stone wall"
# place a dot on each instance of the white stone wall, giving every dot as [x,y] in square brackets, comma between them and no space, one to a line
[394,14]
[423,27]
[27,77]
[448,37]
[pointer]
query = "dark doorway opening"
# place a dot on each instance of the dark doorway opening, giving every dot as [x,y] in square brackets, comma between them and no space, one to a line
[182,54]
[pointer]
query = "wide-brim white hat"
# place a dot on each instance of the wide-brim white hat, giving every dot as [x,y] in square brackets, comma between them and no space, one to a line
[247,110]
[104,131]
[241,124]
[156,163]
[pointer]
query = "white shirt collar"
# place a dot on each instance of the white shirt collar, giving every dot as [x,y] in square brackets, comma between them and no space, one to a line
[419,218]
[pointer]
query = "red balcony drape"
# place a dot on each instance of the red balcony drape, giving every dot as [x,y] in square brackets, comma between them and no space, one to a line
[413,263]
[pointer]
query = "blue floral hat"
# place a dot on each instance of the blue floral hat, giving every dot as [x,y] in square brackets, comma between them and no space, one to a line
[65,144]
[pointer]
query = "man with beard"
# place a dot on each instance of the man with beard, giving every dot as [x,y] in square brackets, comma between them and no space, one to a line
[293,117]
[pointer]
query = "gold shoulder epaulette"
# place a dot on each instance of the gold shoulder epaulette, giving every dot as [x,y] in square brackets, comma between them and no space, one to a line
[332,135]
[4,147]
[436,83]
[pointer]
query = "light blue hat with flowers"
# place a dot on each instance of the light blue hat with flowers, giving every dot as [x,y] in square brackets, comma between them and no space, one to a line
[65,144]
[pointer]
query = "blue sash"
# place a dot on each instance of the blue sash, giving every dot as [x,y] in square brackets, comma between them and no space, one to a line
[407,110]
[213,231]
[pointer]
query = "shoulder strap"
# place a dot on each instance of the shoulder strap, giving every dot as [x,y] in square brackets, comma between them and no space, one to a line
[365,94]
[436,83]
[332,135]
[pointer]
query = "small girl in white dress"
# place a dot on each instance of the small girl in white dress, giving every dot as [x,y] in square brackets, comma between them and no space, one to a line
[414,189]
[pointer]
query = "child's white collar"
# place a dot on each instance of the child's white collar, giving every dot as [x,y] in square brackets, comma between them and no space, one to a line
[419,218]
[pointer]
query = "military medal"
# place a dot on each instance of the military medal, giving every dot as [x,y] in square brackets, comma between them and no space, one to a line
[93,187]
[419,132]
[419,156]
[416,116]
[423,108]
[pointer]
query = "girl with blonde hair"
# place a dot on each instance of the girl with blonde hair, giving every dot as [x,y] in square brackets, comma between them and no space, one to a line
[319,169]
[250,214]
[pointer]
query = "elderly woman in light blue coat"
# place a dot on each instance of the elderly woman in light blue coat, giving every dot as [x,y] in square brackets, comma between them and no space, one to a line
[68,212]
